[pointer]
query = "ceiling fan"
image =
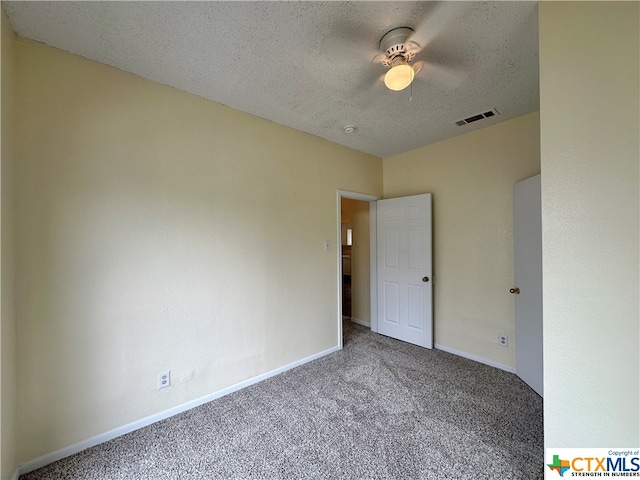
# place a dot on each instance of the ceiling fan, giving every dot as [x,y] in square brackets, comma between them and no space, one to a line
[400,47]
[398,50]
[405,51]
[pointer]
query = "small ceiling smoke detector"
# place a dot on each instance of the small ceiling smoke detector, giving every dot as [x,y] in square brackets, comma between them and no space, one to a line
[349,128]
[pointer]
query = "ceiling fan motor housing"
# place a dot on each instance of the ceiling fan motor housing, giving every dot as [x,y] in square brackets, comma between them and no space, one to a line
[394,44]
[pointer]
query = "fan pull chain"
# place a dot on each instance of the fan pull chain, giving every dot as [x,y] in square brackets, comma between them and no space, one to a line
[410,92]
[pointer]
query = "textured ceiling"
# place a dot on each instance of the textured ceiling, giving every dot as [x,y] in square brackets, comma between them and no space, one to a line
[308,65]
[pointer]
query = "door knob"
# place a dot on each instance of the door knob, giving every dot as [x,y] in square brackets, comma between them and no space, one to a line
[515,291]
[425,279]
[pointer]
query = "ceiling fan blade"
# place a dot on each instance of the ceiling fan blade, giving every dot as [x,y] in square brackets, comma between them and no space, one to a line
[341,50]
[367,94]
[417,67]
[348,40]
[437,19]
[444,75]
[379,57]
[412,46]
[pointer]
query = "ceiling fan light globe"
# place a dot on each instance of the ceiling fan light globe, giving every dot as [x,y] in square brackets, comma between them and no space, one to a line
[399,77]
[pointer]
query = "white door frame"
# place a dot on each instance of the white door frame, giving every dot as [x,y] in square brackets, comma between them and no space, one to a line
[372,253]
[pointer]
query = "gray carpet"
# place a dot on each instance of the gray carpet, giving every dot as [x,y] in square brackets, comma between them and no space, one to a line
[380,408]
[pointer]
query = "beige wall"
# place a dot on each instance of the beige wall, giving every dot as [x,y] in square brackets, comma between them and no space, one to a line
[161,231]
[471,178]
[7,258]
[358,213]
[590,124]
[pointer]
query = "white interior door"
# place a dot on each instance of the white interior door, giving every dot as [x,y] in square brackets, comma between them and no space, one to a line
[405,288]
[527,246]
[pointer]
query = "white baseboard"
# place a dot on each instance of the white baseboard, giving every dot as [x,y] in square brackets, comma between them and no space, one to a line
[117,432]
[360,322]
[475,358]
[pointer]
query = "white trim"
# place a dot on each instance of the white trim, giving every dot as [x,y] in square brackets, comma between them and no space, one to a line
[357,321]
[475,358]
[373,263]
[339,263]
[365,197]
[117,432]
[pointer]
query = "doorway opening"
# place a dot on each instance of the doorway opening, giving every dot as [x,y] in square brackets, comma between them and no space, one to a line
[356,260]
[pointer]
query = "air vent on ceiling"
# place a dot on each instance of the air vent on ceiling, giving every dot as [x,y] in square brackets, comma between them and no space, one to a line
[475,118]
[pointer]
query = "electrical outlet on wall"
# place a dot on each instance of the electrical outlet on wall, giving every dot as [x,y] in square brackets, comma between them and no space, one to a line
[164,379]
[503,339]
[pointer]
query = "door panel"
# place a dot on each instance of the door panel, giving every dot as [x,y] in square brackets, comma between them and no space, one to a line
[415,310]
[414,249]
[404,260]
[392,248]
[391,302]
[527,247]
